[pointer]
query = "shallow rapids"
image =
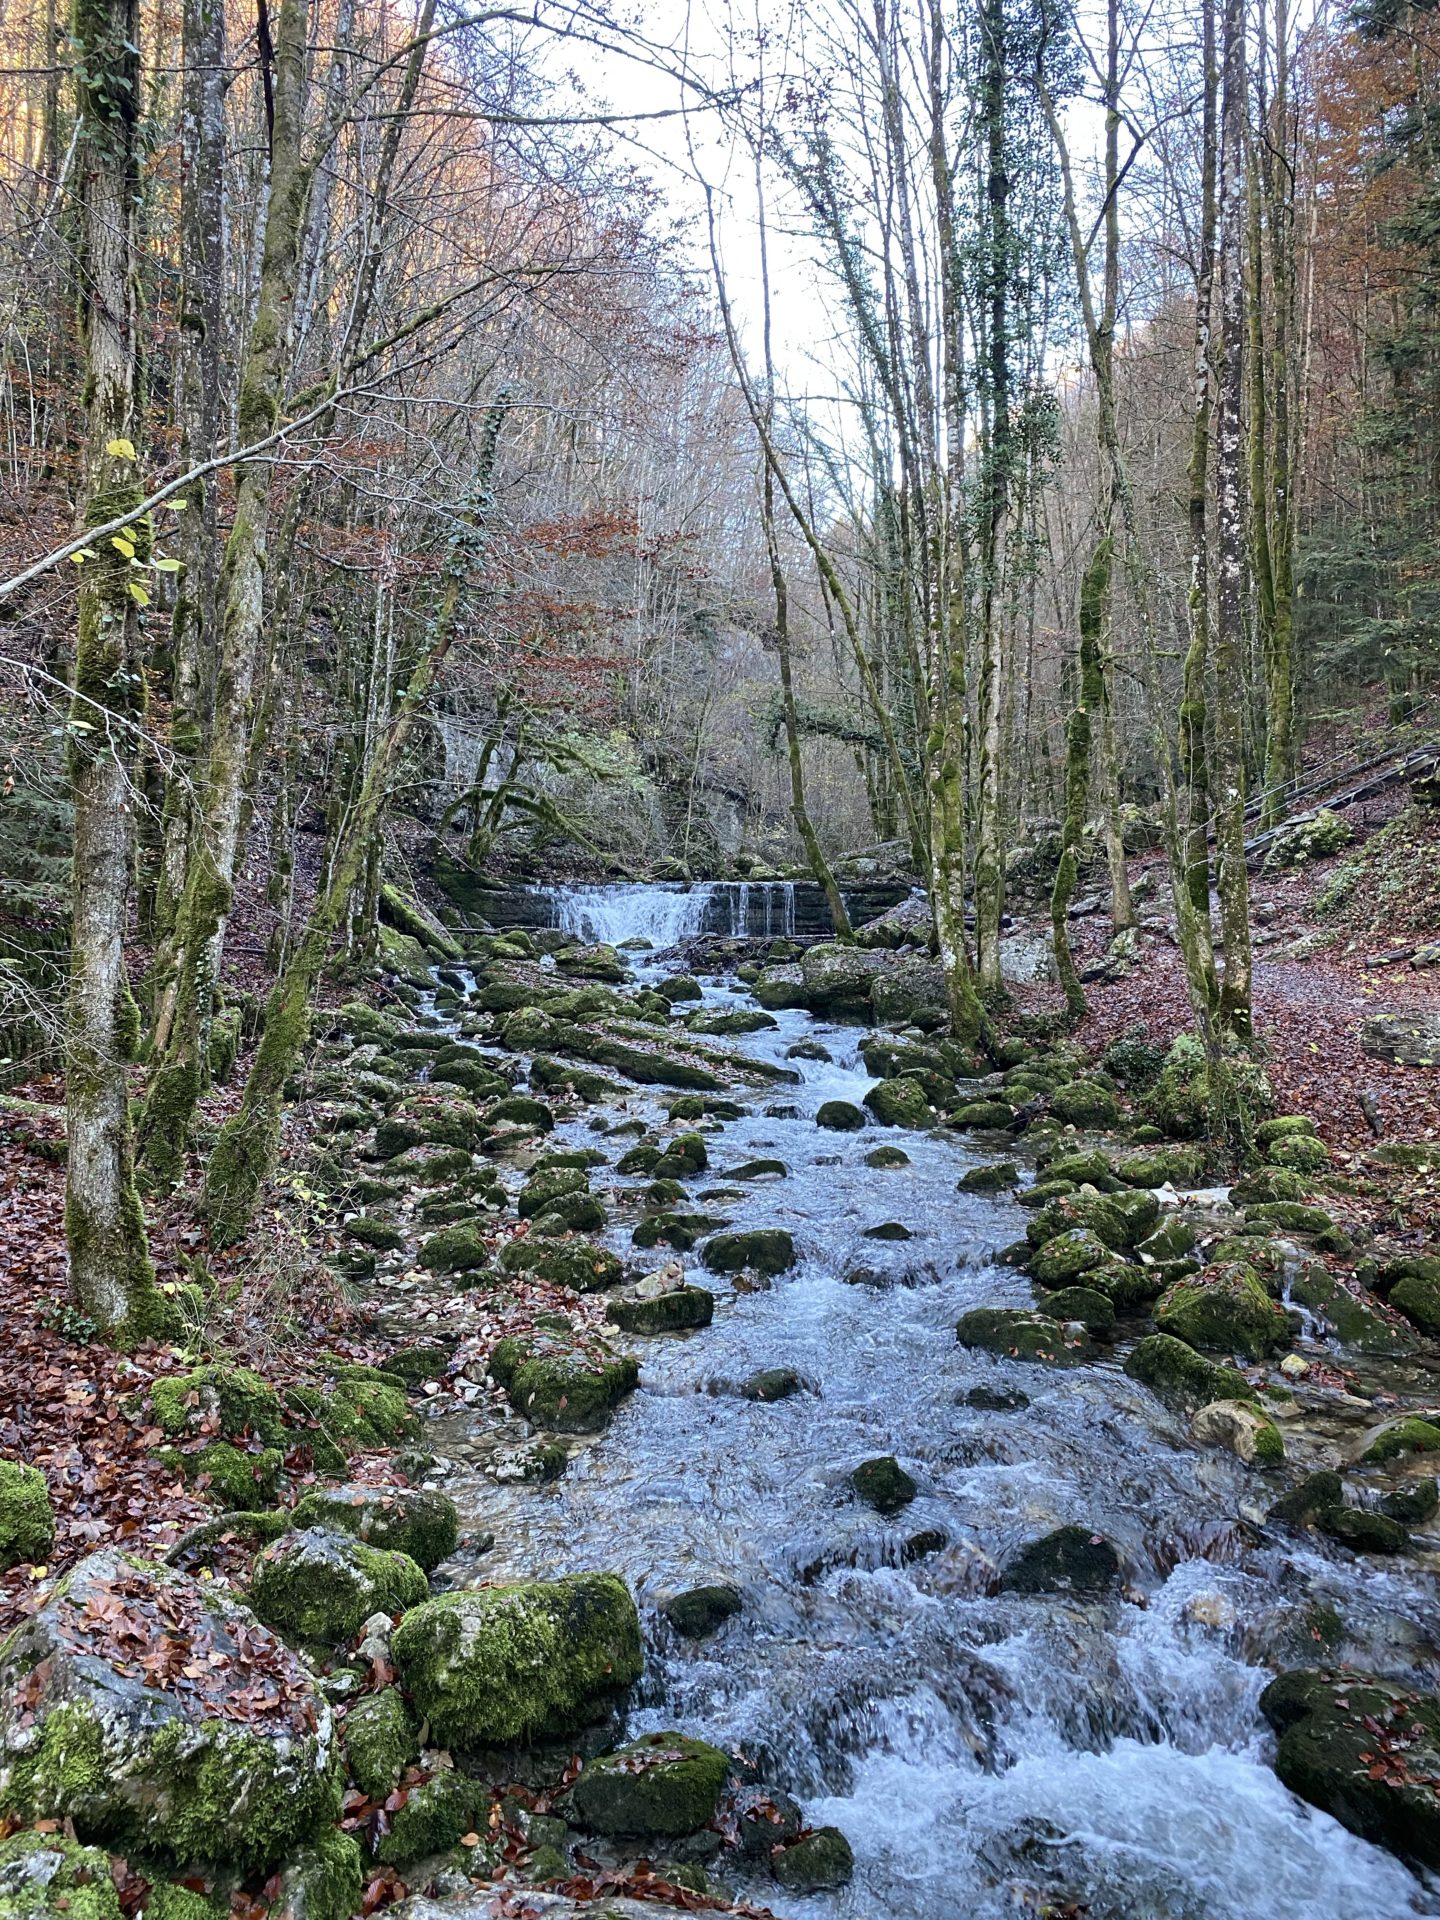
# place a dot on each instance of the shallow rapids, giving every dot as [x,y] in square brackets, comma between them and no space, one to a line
[982,1752]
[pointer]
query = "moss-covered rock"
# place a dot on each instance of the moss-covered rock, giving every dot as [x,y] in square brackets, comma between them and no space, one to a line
[236,1477]
[1085,1103]
[1354,1322]
[44,1876]
[887,1158]
[1094,1311]
[319,1587]
[1065,1257]
[982,1115]
[371,1232]
[429,1818]
[900,1103]
[233,1402]
[1365,1750]
[1303,1504]
[884,1484]
[1224,1309]
[840,1116]
[1095,1213]
[581,1265]
[677,1310]
[563,1384]
[818,1862]
[1013,1333]
[458,1249]
[381,1741]
[1240,1425]
[432,1116]
[407,1520]
[673,1229]
[1176,1166]
[763,1250]
[999,1177]
[699,1611]
[543,1190]
[1419,1300]
[661,1786]
[1090,1168]
[1363,1530]
[27,1524]
[1069,1560]
[1299,1153]
[323,1881]
[1181,1377]
[1393,1439]
[769,1384]
[1413,1504]
[525,1662]
[168,1769]
[685,1155]
[354,1410]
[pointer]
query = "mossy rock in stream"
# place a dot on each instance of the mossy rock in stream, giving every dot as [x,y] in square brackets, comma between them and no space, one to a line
[693,1106]
[1224,1309]
[1094,1311]
[1001,1177]
[768,1250]
[355,1411]
[1067,1256]
[319,1587]
[700,1611]
[1393,1439]
[537,1660]
[884,1484]
[678,1230]
[541,1192]
[430,1117]
[661,1786]
[1184,1379]
[235,1477]
[233,1402]
[1418,1299]
[1069,1560]
[581,1265]
[684,1156]
[1354,1323]
[732,1020]
[984,1116]
[679,1311]
[561,1384]
[433,1817]
[900,1103]
[409,1520]
[1094,1213]
[458,1249]
[840,1116]
[1363,1749]
[370,1232]
[520,1110]
[1084,1103]
[680,986]
[887,1158]
[820,1861]
[1177,1166]
[1017,1335]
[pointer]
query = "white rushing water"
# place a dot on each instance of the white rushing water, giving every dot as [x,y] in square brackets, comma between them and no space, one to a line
[667,914]
[986,1753]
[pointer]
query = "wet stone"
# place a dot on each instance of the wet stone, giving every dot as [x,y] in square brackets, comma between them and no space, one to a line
[884,1484]
[1069,1560]
[701,1611]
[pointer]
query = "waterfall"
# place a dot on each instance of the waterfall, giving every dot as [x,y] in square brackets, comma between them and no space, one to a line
[664,915]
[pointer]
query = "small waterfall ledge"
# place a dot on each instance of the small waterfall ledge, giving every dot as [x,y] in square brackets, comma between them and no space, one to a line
[666,913]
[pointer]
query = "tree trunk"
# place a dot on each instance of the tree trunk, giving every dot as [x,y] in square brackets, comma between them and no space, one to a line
[1234,885]
[1079,737]
[210,880]
[110,1273]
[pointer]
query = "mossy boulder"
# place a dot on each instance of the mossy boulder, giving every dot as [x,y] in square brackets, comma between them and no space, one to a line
[840,1116]
[581,1265]
[1065,1257]
[1017,1335]
[458,1249]
[1181,1377]
[537,1660]
[231,1763]
[563,1384]
[680,986]
[1363,1530]
[354,1410]
[884,1484]
[1084,1103]
[319,1587]
[1303,1504]
[1175,1166]
[1240,1425]
[236,1477]
[887,1158]
[407,1520]
[983,1115]
[1355,1323]
[541,1192]
[1365,1750]
[1091,1168]
[1394,1439]
[322,1881]
[428,1818]
[674,1229]
[661,1786]
[1418,1299]
[1069,1560]
[1085,1209]
[371,1232]
[999,1177]
[232,1402]
[1224,1309]
[44,1876]
[677,1310]
[820,1861]
[1094,1311]
[1299,1153]
[381,1740]
[780,987]
[434,1116]
[768,1250]
[684,1156]
[900,1103]
[27,1523]
[699,1611]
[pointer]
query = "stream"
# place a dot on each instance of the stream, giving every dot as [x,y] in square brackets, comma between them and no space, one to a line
[970,1744]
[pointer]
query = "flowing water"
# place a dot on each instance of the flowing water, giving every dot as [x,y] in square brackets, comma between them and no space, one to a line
[970,1745]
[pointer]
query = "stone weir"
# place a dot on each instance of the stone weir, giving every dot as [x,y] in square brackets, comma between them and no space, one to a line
[668,913]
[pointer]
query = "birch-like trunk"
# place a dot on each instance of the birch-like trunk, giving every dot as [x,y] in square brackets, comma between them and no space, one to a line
[110,1273]
[1229,779]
